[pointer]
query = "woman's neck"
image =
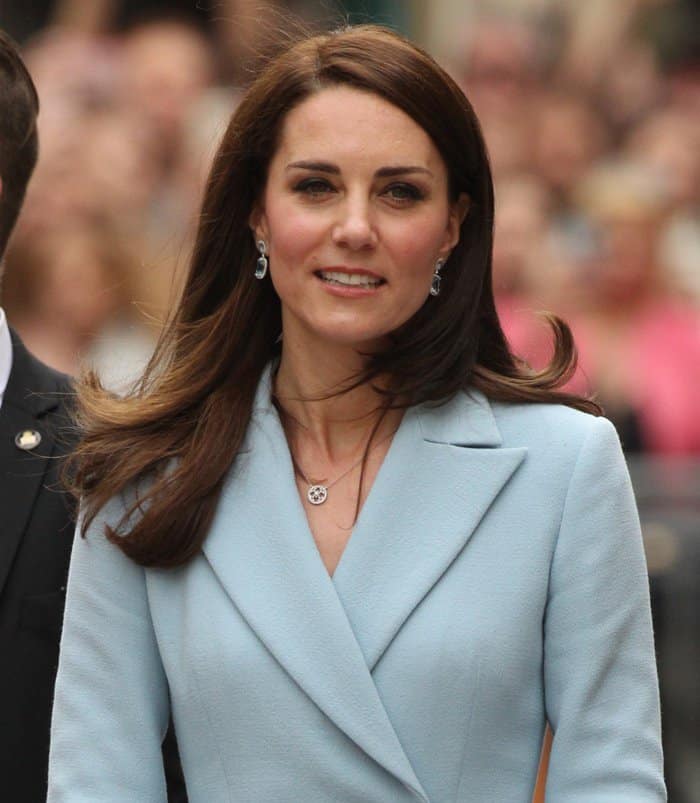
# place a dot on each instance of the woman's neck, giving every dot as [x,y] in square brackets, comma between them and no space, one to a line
[338,426]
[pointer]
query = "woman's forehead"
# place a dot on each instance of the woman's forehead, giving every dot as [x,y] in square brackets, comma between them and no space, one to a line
[342,124]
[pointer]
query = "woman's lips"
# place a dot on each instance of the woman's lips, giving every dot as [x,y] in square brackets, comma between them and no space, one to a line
[350,282]
[350,278]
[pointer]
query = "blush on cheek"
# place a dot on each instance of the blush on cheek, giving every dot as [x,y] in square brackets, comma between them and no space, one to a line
[417,249]
[293,238]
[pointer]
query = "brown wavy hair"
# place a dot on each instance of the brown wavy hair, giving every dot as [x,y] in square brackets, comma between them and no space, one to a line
[183,423]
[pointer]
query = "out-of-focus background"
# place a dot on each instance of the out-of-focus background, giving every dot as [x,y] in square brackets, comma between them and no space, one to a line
[591,112]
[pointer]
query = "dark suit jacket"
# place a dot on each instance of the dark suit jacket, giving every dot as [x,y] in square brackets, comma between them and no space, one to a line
[36,532]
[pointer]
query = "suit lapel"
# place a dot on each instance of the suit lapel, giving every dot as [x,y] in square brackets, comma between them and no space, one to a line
[27,400]
[263,553]
[441,475]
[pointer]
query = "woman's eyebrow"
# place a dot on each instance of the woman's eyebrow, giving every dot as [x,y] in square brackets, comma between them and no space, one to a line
[321,167]
[399,170]
[383,172]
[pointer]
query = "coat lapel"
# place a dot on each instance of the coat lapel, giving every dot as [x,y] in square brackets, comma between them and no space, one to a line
[264,555]
[442,473]
[30,395]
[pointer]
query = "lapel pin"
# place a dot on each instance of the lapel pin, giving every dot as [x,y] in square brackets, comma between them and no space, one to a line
[27,439]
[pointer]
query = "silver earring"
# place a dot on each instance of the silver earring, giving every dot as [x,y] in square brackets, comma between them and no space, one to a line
[261,264]
[437,279]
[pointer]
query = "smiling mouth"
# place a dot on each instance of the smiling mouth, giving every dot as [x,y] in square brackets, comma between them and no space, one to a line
[341,279]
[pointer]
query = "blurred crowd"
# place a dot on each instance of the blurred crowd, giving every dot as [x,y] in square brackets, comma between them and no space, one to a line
[591,113]
[594,136]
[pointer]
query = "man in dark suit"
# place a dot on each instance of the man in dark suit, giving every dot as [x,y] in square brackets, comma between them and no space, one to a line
[36,527]
[36,517]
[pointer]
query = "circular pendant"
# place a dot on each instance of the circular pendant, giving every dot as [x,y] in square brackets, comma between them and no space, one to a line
[317,494]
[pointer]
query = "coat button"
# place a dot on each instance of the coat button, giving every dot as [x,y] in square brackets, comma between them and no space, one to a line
[27,439]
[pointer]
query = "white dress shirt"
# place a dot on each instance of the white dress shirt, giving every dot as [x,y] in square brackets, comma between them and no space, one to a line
[5,353]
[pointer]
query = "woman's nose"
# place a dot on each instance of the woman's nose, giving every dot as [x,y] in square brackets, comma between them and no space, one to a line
[354,227]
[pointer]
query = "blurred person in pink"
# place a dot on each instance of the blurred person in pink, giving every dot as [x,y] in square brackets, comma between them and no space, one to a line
[527,273]
[639,345]
[669,143]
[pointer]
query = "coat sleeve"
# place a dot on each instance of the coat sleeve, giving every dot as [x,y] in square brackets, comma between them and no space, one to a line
[601,686]
[111,700]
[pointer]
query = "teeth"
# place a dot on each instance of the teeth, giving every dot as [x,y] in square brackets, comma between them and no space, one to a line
[350,279]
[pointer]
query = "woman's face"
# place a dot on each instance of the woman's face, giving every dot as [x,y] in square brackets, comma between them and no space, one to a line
[355,214]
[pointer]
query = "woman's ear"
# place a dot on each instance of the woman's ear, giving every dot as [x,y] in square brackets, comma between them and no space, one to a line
[258,223]
[458,211]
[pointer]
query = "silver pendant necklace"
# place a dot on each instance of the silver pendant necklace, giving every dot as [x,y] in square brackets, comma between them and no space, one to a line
[317,492]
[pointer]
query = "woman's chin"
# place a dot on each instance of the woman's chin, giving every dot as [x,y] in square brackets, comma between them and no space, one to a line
[365,341]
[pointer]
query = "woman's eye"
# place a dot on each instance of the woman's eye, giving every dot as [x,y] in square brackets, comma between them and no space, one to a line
[404,193]
[314,186]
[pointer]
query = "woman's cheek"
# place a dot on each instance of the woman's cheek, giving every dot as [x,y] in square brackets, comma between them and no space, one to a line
[417,247]
[294,235]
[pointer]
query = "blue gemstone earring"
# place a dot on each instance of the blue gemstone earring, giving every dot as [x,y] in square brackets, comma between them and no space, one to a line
[262,263]
[437,279]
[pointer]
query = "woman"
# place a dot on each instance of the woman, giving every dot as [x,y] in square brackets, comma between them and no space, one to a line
[365,561]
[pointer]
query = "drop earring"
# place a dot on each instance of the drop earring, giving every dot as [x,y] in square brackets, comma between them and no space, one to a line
[437,279]
[262,263]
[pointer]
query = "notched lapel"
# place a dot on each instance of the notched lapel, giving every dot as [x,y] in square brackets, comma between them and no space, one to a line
[442,474]
[30,395]
[21,477]
[263,553]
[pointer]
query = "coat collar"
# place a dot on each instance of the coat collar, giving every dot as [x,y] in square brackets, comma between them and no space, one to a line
[466,420]
[437,481]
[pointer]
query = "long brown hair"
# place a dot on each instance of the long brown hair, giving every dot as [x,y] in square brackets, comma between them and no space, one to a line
[184,422]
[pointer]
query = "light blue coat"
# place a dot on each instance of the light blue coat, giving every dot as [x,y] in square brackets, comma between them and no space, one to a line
[495,579]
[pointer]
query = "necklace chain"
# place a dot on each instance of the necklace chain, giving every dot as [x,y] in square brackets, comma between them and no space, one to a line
[317,492]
